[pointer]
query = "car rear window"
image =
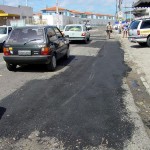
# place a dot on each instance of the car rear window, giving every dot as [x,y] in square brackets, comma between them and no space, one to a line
[22,35]
[145,24]
[134,24]
[3,30]
[73,28]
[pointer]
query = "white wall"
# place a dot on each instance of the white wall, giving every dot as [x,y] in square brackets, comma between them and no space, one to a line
[64,20]
[49,19]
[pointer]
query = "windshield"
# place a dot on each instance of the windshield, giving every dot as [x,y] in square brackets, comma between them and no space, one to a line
[73,28]
[134,25]
[3,30]
[26,35]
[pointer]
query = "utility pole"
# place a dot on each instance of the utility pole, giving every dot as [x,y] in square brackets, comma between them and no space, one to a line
[26,2]
[116,10]
[129,11]
[57,13]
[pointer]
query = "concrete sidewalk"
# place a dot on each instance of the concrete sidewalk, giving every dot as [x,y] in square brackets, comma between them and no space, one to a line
[140,56]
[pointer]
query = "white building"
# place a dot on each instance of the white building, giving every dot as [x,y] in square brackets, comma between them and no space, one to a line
[66,16]
[8,13]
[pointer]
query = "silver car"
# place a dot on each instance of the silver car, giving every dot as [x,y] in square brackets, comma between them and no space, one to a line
[77,32]
[139,32]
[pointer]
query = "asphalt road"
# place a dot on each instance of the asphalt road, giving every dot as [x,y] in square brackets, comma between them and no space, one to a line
[79,106]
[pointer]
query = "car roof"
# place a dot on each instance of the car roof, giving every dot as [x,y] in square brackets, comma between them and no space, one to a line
[36,26]
[5,26]
[141,19]
[75,25]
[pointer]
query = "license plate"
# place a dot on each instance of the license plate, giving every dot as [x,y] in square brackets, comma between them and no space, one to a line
[24,52]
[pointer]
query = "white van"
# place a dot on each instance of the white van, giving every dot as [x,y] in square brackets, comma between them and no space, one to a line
[4,32]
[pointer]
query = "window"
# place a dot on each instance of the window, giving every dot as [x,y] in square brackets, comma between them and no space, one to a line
[3,30]
[22,35]
[9,29]
[73,28]
[145,24]
[51,34]
[58,33]
[134,24]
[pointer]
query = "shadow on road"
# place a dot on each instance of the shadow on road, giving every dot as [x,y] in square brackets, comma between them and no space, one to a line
[138,46]
[97,38]
[42,68]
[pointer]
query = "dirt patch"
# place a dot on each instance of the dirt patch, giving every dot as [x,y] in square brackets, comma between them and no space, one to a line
[140,95]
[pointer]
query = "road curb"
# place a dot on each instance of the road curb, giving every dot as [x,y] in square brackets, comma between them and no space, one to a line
[129,57]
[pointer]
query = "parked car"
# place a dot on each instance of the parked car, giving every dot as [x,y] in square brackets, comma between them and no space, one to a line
[4,32]
[139,32]
[77,32]
[35,45]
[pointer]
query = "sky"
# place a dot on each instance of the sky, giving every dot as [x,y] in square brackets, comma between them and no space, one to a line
[96,6]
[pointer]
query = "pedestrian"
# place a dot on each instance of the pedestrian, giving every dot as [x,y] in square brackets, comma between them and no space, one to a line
[125,29]
[119,28]
[109,29]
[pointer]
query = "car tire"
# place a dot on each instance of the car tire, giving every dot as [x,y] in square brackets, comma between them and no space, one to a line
[67,55]
[148,41]
[53,64]
[11,67]
[142,44]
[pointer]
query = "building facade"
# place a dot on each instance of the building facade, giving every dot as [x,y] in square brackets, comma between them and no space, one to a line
[9,13]
[65,16]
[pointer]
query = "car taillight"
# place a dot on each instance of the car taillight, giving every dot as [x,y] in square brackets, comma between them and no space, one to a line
[138,32]
[45,51]
[6,51]
[83,34]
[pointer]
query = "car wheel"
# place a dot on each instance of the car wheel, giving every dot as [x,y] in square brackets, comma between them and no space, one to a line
[67,55]
[142,44]
[11,67]
[148,41]
[52,65]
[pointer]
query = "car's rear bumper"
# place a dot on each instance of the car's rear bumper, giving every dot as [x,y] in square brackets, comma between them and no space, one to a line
[77,38]
[137,39]
[27,59]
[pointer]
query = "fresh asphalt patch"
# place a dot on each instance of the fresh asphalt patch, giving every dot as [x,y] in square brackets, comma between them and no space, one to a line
[81,107]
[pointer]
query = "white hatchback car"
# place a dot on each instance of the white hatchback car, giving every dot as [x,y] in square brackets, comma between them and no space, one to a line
[77,32]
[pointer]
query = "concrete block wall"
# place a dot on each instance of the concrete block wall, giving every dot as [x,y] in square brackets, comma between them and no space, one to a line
[64,20]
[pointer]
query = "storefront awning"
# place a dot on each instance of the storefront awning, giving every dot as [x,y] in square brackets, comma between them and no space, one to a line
[3,14]
[142,3]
